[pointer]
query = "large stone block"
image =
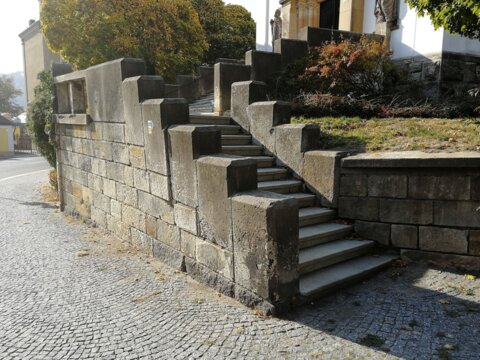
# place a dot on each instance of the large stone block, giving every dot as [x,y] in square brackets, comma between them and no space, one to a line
[206,75]
[475,187]
[245,93]
[160,186]
[141,180]
[208,277]
[168,234]
[127,195]
[215,258]
[114,132]
[188,244]
[189,87]
[439,187]
[137,156]
[104,88]
[443,240]
[353,185]
[406,211]
[265,66]
[321,172]
[141,241]
[158,116]
[449,260]
[457,213]
[168,255]
[225,75]
[265,227]
[474,243]
[186,218]
[135,91]
[292,141]
[219,178]
[290,50]
[188,143]
[379,232]
[133,217]
[99,167]
[156,207]
[110,188]
[390,186]
[264,117]
[405,236]
[121,153]
[358,208]
[103,150]
[115,171]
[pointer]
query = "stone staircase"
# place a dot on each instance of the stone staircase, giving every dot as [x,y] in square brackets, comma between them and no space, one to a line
[329,257]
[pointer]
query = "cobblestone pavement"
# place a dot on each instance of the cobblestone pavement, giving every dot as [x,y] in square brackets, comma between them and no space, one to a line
[70,292]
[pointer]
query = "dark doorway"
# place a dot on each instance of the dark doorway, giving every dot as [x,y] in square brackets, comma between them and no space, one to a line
[330,14]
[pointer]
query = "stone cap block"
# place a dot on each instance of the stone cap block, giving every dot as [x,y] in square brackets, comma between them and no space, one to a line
[169,111]
[276,112]
[264,199]
[309,134]
[413,159]
[205,139]
[148,86]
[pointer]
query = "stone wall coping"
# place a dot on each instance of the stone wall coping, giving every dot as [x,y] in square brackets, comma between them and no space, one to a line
[73,76]
[413,159]
[72,119]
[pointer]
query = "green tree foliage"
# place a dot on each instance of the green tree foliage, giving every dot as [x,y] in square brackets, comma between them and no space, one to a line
[230,29]
[460,17]
[166,33]
[8,93]
[40,116]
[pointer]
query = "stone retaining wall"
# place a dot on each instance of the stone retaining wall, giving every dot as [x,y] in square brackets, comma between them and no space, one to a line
[131,162]
[421,203]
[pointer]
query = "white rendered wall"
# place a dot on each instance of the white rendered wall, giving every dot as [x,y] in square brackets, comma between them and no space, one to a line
[460,45]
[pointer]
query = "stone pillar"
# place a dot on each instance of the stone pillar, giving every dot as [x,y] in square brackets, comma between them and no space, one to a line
[187,144]
[135,91]
[219,178]
[243,94]
[265,66]
[158,116]
[265,235]
[104,88]
[225,75]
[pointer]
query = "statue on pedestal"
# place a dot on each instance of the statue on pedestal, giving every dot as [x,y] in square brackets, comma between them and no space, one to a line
[276,25]
[386,11]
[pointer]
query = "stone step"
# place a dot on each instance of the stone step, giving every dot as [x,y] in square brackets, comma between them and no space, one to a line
[304,200]
[281,186]
[274,173]
[210,120]
[321,256]
[229,129]
[263,161]
[322,233]
[243,150]
[236,139]
[315,215]
[326,280]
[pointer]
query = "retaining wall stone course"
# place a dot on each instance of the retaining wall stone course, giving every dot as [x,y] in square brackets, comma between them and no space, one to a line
[406,211]
[404,236]
[439,187]
[390,186]
[379,232]
[443,240]
[359,208]
[457,213]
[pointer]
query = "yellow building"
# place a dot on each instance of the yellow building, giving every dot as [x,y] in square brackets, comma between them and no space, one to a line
[344,15]
[7,128]
[36,57]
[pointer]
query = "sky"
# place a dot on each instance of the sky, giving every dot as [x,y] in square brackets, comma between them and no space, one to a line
[15,14]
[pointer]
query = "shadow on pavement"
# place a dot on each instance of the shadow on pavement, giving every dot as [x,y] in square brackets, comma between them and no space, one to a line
[417,312]
[44,205]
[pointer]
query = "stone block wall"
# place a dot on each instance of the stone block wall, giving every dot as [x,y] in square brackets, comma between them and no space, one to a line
[421,203]
[138,169]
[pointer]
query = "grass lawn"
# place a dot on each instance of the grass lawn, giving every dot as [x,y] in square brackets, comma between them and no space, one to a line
[429,135]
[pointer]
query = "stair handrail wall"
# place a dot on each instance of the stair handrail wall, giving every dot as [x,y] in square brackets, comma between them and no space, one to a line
[138,169]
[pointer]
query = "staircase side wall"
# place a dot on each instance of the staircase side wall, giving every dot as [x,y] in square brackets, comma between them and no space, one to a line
[427,205]
[140,171]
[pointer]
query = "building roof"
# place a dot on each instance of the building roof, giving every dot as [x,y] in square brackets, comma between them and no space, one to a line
[5,122]
[33,29]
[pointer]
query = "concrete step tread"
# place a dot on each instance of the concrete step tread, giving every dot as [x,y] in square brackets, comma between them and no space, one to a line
[242,147]
[234,137]
[274,184]
[334,248]
[322,233]
[209,117]
[272,170]
[311,212]
[344,273]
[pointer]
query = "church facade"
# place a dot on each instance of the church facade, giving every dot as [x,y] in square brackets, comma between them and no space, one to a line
[431,55]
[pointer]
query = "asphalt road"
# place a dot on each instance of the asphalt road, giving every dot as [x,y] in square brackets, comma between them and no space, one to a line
[23,165]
